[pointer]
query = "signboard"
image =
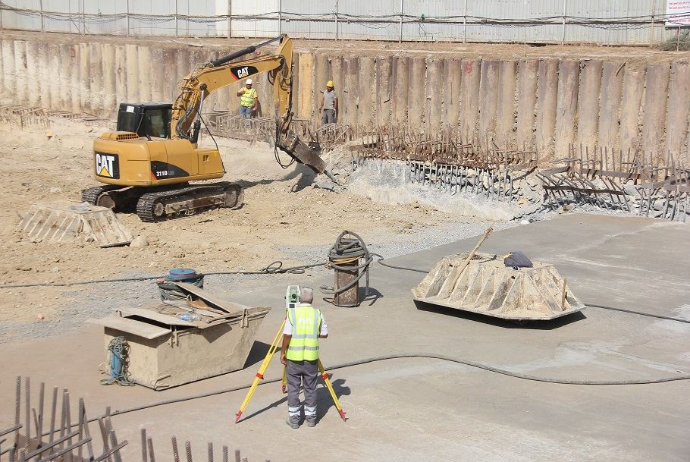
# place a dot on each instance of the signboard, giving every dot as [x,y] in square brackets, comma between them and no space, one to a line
[678,13]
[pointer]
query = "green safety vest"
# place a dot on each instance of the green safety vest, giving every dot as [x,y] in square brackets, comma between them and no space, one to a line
[247,99]
[306,326]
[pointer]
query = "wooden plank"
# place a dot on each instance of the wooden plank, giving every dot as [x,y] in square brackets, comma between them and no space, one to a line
[401,77]
[547,91]
[349,99]
[110,100]
[416,113]
[469,99]
[434,94]
[384,72]
[527,101]
[306,84]
[452,74]
[568,83]
[321,76]
[633,89]
[656,94]
[488,100]
[611,85]
[365,108]
[140,329]
[211,299]
[96,71]
[588,112]
[505,116]
[155,316]
[678,109]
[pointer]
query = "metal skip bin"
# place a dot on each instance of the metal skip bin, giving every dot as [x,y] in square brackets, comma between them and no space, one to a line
[486,286]
[166,351]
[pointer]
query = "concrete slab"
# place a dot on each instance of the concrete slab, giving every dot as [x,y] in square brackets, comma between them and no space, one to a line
[426,409]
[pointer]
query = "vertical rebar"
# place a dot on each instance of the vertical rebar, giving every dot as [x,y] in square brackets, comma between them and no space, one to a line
[27,423]
[210,452]
[238,456]
[104,437]
[113,441]
[151,454]
[87,432]
[127,17]
[53,413]
[176,453]
[144,458]
[402,11]
[188,450]
[565,7]
[43,24]
[464,25]
[225,454]
[41,400]
[17,408]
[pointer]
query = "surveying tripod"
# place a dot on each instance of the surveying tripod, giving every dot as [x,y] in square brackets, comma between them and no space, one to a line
[264,366]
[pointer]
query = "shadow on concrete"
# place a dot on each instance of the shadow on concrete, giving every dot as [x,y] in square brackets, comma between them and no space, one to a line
[273,405]
[372,298]
[498,322]
[258,353]
[324,401]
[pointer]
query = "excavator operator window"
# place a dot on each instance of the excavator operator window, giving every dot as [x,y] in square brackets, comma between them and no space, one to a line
[158,123]
[146,120]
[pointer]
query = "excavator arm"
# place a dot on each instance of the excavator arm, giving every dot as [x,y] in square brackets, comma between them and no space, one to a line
[195,88]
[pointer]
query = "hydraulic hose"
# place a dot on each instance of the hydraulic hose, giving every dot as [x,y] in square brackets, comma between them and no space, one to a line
[478,365]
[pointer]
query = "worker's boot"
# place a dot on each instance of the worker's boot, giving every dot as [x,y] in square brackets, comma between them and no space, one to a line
[311,421]
[293,422]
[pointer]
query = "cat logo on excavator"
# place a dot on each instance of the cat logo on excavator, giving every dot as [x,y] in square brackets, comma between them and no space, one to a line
[107,165]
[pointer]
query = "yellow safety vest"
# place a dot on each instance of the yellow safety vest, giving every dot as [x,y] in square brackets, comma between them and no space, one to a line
[306,326]
[247,99]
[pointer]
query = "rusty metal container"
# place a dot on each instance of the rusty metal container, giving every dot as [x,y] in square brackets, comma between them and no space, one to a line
[486,286]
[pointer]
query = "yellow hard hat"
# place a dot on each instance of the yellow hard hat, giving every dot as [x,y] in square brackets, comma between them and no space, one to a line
[329,83]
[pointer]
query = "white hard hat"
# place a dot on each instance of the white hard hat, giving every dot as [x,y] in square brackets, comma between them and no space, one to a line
[249,81]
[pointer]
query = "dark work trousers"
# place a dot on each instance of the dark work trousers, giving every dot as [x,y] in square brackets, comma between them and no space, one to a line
[328,117]
[305,372]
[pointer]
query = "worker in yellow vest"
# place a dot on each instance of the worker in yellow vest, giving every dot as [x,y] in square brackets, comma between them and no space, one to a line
[300,353]
[249,101]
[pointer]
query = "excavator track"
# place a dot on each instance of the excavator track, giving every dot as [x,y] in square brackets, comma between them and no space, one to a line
[189,200]
[91,195]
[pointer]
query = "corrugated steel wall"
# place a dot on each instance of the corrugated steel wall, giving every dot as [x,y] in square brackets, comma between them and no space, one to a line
[357,19]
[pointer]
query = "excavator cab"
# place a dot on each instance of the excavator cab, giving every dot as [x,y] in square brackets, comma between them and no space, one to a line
[148,120]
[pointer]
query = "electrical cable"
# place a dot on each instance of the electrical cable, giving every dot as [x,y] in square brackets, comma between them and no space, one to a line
[474,364]
[275,267]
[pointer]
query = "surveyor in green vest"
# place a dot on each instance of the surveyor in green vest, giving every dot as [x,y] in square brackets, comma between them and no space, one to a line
[300,353]
[249,101]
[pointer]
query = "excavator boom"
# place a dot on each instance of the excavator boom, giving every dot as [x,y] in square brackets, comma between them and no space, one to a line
[148,164]
[195,88]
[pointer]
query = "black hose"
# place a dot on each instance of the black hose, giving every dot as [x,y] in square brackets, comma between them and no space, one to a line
[275,267]
[465,362]
[388,265]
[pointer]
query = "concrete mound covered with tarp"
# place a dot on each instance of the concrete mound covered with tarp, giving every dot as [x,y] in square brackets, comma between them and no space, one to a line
[65,221]
[488,287]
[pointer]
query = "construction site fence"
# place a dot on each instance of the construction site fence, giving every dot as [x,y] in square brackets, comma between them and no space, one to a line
[608,22]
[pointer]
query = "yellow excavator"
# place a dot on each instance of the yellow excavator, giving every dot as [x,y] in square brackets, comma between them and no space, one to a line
[148,163]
